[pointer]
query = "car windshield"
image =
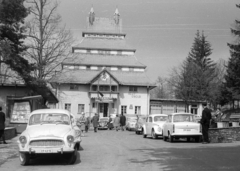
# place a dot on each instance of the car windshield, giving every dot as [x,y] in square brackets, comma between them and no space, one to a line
[183,118]
[49,118]
[160,118]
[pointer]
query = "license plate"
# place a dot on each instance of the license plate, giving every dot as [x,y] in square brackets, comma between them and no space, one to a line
[186,129]
[46,151]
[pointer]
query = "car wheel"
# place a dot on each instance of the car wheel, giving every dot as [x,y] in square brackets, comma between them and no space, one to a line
[73,157]
[136,132]
[154,136]
[144,135]
[170,138]
[188,139]
[24,158]
[197,139]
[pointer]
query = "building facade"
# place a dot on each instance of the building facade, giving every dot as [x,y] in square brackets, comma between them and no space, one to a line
[168,106]
[104,75]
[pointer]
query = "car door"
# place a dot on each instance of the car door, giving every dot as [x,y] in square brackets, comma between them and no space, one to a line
[149,126]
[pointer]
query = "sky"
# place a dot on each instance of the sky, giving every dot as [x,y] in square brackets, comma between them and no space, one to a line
[161,31]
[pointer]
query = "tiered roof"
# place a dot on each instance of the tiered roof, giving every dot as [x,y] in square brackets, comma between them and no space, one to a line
[106,35]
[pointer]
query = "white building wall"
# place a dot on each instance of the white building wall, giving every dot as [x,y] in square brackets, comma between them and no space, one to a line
[139,98]
[74,97]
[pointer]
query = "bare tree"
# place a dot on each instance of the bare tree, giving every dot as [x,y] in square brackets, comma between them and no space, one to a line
[48,42]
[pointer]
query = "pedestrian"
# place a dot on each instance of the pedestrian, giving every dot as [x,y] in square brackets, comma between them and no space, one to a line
[122,121]
[205,122]
[2,125]
[81,123]
[95,121]
[116,122]
[87,124]
[110,123]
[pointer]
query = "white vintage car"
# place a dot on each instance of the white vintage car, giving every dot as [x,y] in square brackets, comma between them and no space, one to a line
[50,131]
[181,125]
[153,125]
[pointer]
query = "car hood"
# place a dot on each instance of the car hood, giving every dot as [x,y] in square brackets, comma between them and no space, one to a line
[48,131]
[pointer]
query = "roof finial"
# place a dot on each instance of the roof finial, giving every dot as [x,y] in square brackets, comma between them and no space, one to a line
[91,16]
[116,16]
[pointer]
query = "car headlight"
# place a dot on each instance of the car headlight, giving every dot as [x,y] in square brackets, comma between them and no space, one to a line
[23,139]
[70,138]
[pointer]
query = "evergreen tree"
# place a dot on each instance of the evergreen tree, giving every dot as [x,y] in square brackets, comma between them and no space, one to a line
[12,48]
[203,67]
[232,77]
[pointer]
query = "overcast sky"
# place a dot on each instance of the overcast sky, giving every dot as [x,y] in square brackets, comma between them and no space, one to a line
[162,31]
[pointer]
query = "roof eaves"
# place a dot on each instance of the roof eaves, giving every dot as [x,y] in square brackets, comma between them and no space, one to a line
[102,33]
[91,48]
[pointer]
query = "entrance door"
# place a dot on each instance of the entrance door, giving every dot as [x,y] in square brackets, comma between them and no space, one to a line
[105,109]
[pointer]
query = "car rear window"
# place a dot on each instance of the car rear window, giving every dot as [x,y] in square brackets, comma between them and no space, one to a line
[183,118]
[49,118]
[160,118]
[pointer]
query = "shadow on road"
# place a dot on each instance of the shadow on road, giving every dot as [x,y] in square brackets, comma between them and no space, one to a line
[52,159]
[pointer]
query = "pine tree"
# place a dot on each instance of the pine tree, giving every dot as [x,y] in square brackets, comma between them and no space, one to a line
[232,77]
[204,67]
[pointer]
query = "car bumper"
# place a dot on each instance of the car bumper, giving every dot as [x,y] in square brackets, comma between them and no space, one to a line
[186,135]
[46,150]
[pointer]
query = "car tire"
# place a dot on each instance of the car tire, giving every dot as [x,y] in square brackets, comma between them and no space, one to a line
[73,157]
[197,139]
[188,139]
[170,138]
[154,136]
[144,135]
[24,158]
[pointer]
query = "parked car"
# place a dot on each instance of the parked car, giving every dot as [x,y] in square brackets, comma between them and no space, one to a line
[50,131]
[103,123]
[131,122]
[181,125]
[140,121]
[154,125]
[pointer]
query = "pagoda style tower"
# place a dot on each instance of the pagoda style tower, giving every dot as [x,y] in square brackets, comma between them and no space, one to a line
[104,76]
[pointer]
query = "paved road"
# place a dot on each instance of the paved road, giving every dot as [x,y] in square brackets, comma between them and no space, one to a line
[125,151]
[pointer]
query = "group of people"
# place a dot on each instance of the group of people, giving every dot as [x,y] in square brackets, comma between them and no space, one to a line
[119,122]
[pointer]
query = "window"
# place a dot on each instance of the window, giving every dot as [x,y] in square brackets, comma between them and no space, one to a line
[73,87]
[104,88]
[133,89]
[93,105]
[114,88]
[150,119]
[68,106]
[137,109]
[94,88]
[123,109]
[112,105]
[80,108]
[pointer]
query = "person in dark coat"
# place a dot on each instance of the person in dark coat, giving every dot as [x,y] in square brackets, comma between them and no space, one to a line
[205,122]
[2,125]
[122,121]
[110,123]
[95,121]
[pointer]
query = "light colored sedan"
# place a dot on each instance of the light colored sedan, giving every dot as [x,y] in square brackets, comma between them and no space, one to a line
[153,125]
[181,125]
[130,123]
[50,131]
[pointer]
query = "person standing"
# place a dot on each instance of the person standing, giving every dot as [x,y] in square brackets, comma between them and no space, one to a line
[87,124]
[95,121]
[122,121]
[2,125]
[81,123]
[116,122]
[110,123]
[205,122]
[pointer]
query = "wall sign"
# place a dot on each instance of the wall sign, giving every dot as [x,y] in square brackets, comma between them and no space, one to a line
[134,95]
